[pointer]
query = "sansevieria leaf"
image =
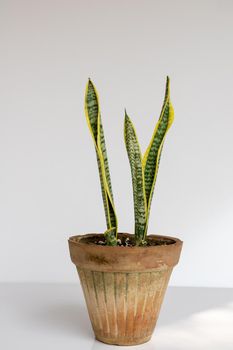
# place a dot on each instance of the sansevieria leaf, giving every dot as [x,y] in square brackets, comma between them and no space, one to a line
[92,111]
[135,159]
[153,153]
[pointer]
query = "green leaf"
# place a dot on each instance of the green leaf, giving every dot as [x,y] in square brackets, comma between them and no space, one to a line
[102,147]
[153,153]
[135,160]
[93,117]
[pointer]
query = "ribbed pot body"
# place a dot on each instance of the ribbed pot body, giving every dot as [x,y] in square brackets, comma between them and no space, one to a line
[123,287]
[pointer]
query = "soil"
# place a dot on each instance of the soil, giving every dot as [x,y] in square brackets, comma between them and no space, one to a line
[127,240]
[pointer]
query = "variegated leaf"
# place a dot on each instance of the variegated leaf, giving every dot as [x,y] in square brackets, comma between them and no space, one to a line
[93,117]
[102,147]
[135,159]
[153,153]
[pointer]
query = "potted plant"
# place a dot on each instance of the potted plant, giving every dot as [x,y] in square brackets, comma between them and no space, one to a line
[124,276]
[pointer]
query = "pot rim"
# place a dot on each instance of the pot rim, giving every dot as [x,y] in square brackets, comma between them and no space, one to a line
[117,258]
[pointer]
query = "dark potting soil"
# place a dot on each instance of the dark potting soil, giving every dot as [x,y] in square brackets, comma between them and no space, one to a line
[126,240]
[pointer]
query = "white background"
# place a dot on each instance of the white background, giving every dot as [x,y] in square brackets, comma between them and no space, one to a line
[49,186]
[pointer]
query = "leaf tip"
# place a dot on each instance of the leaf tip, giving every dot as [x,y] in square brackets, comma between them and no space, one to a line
[167,89]
[127,119]
[90,84]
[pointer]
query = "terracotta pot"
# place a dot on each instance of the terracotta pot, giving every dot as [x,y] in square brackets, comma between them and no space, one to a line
[124,286]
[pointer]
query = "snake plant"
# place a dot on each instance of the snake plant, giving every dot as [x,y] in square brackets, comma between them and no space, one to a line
[144,169]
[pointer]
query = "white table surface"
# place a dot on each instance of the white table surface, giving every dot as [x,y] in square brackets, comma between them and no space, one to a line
[54,316]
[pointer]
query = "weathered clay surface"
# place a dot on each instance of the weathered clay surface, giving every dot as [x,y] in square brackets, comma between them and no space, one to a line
[124,297]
